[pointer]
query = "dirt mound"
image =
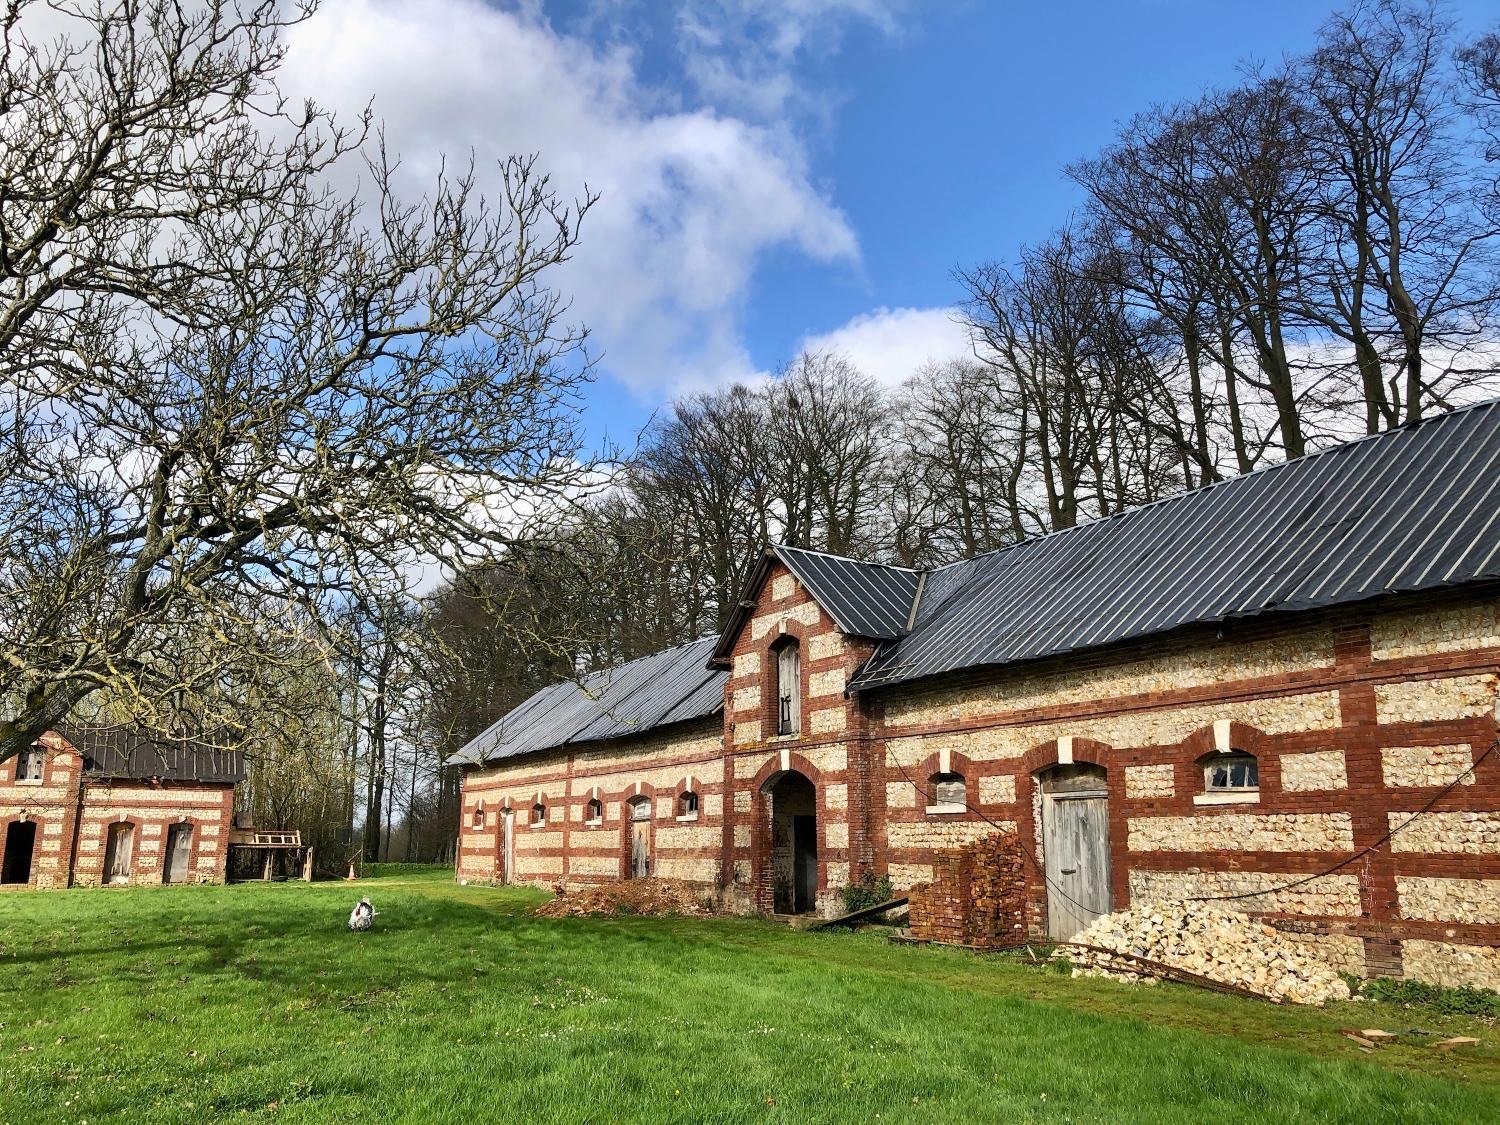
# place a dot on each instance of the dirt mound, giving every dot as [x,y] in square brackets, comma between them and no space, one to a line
[630,896]
[1208,941]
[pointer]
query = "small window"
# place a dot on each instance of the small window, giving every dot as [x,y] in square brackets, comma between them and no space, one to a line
[788,689]
[594,813]
[948,790]
[478,816]
[30,763]
[538,814]
[1235,772]
[687,804]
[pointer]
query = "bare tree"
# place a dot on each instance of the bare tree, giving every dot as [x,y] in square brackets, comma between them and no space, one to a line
[230,395]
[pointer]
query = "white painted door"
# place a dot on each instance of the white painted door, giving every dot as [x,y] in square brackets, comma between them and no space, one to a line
[1075,834]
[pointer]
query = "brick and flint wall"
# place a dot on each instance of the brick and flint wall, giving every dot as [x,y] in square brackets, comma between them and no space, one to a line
[1359,719]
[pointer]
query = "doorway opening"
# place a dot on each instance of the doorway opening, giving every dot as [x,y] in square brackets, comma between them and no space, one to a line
[507,846]
[794,843]
[640,837]
[174,868]
[1075,846]
[20,845]
[117,853]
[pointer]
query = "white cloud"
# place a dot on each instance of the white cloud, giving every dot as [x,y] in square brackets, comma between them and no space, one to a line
[692,197]
[890,345]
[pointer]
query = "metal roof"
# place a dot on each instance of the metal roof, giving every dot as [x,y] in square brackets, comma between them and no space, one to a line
[126,752]
[654,691]
[864,599]
[1415,508]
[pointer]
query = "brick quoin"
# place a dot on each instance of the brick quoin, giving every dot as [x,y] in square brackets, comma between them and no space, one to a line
[1328,701]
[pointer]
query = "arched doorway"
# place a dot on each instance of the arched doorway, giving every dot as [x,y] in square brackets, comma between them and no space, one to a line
[1075,846]
[640,838]
[20,843]
[794,842]
[507,846]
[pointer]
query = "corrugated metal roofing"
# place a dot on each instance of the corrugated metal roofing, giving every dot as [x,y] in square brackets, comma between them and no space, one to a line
[124,752]
[865,599]
[669,687]
[1413,509]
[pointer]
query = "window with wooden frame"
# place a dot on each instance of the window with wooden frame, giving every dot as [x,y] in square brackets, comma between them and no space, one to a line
[30,764]
[687,805]
[1234,772]
[593,812]
[789,687]
[538,815]
[478,819]
[947,792]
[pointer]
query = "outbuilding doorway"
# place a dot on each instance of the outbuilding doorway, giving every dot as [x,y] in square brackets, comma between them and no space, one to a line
[1075,843]
[179,853]
[640,837]
[507,847]
[118,852]
[794,843]
[20,845]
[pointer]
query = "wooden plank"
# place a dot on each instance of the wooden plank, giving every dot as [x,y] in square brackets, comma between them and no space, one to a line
[867,912]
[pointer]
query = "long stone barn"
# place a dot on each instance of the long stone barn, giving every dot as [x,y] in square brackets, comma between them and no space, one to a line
[110,806]
[1281,688]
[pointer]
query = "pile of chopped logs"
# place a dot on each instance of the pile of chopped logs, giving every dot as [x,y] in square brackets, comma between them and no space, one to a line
[1204,943]
[629,896]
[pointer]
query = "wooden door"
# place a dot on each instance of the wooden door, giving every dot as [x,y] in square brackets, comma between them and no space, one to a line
[640,849]
[1075,834]
[179,852]
[117,853]
[507,846]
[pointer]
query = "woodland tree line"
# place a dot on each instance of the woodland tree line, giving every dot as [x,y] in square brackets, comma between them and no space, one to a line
[1308,253]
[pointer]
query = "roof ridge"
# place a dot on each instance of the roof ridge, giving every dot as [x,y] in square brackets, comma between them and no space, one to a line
[847,558]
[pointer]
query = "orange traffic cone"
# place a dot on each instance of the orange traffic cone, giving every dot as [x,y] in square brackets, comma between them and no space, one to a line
[350,877]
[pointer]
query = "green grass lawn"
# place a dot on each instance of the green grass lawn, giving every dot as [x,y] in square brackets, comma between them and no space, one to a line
[195,1003]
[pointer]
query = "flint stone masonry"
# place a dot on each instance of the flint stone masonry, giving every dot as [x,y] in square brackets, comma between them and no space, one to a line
[747,731]
[1000,790]
[1148,781]
[783,587]
[904,875]
[805,614]
[1435,700]
[942,834]
[1344,953]
[746,664]
[1466,901]
[901,795]
[746,701]
[836,835]
[826,683]
[1314,772]
[1469,833]
[825,646]
[1415,766]
[828,720]
[1272,715]
[593,865]
[1459,628]
[1243,832]
[1334,896]
[1300,650]
[688,837]
[836,796]
[1451,965]
[692,870]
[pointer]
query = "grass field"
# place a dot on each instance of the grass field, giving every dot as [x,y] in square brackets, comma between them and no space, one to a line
[195,1003]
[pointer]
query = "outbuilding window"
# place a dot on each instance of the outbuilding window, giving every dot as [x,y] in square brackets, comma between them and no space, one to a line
[538,815]
[593,813]
[478,816]
[687,804]
[947,793]
[788,688]
[30,763]
[1235,772]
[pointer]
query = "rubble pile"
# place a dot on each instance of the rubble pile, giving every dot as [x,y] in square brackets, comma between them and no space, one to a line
[629,896]
[1208,941]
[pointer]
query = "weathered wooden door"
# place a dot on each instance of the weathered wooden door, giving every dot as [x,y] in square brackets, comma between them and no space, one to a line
[640,838]
[179,851]
[1075,836]
[805,863]
[117,853]
[507,846]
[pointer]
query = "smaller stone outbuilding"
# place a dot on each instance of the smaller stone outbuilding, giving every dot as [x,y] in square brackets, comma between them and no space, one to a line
[111,806]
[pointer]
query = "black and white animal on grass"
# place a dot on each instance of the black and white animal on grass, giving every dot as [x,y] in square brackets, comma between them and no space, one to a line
[362,917]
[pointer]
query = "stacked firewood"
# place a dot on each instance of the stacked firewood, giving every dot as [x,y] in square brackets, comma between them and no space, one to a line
[1204,941]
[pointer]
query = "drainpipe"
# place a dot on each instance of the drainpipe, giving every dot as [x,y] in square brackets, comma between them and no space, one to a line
[77,824]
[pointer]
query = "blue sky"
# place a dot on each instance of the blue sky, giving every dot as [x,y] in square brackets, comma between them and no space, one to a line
[777,173]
